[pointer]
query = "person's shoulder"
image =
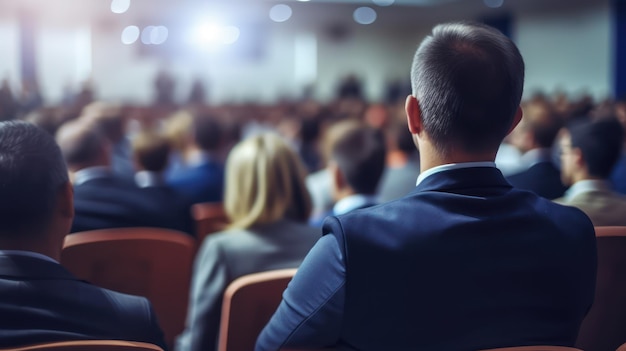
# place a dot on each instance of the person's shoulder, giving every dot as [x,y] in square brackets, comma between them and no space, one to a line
[570,218]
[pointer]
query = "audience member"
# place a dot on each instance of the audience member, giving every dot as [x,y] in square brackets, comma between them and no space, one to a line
[40,301]
[403,165]
[589,150]
[534,137]
[101,199]
[151,154]
[356,165]
[268,204]
[465,261]
[201,179]
[111,123]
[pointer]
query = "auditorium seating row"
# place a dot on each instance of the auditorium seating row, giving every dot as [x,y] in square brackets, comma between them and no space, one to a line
[157,263]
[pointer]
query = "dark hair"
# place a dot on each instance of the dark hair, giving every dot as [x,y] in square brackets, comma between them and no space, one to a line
[207,132]
[600,142]
[468,79]
[151,151]
[360,156]
[31,174]
[80,143]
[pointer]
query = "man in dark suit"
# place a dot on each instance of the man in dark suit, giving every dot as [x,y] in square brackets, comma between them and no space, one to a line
[534,136]
[463,262]
[40,301]
[102,199]
[202,178]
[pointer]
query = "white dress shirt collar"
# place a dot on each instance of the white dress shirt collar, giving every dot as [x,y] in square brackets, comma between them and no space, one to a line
[451,166]
[145,179]
[89,173]
[585,186]
[353,202]
[532,157]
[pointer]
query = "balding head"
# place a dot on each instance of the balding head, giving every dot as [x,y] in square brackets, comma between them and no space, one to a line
[82,145]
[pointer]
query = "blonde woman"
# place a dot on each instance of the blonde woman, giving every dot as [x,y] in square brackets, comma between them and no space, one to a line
[268,205]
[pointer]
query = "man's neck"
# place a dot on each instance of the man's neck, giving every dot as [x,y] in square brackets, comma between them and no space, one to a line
[430,157]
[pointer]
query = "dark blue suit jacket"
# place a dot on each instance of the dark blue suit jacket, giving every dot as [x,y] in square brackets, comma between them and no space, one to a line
[200,183]
[543,178]
[463,262]
[110,202]
[40,302]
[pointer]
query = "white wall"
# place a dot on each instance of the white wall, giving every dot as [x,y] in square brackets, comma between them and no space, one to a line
[568,50]
[9,47]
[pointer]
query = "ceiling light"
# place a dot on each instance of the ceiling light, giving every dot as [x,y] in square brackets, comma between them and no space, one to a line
[364,15]
[120,6]
[384,2]
[280,13]
[130,35]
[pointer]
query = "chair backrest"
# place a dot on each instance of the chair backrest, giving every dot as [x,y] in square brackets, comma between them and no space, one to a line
[604,327]
[535,348]
[89,345]
[209,217]
[151,262]
[249,303]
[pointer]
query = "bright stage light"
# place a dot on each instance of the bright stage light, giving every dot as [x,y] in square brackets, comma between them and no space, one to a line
[120,6]
[213,35]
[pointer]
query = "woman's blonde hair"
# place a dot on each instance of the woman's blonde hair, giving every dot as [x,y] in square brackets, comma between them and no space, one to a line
[265,183]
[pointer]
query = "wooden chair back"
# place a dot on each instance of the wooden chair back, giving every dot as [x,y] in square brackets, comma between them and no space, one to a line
[535,348]
[151,262]
[89,345]
[209,217]
[604,327]
[249,303]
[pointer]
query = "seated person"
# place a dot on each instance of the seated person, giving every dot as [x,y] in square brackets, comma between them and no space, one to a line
[101,198]
[357,161]
[150,153]
[40,301]
[589,151]
[201,178]
[465,261]
[268,205]
[534,137]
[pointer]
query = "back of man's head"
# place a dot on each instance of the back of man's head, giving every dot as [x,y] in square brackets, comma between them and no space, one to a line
[151,151]
[468,80]
[207,132]
[359,153]
[32,174]
[600,143]
[83,145]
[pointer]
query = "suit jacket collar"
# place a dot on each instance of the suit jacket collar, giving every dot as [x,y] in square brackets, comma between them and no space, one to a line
[475,177]
[30,268]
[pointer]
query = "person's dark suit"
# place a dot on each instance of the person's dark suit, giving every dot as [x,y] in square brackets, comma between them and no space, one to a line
[203,182]
[41,302]
[110,202]
[542,178]
[463,262]
[172,210]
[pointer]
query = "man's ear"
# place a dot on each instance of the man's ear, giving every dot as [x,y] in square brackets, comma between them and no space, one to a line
[579,160]
[516,119]
[337,178]
[413,115]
